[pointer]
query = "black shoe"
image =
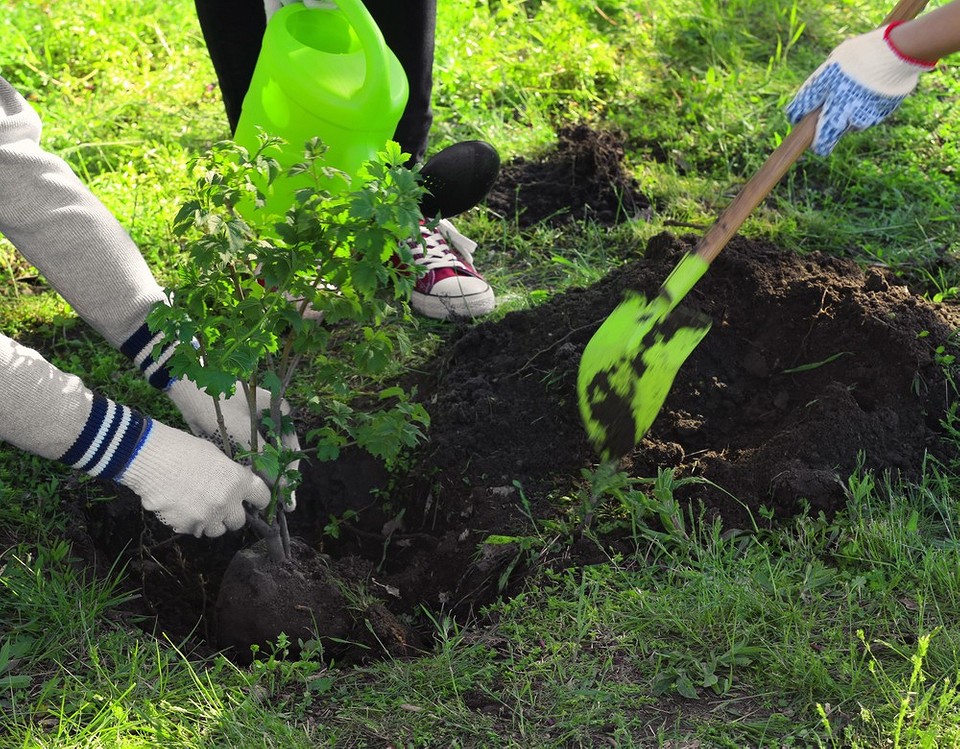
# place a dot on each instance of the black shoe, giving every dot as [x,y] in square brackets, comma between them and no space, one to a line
[458,178]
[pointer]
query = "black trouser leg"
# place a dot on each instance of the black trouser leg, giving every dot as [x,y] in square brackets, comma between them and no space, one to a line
[409,29]
[233,32]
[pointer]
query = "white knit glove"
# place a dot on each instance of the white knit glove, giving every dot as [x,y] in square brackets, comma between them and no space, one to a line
[196,406]
[191,485]
[272,6]
[860,84]
[187,481]
[200,415]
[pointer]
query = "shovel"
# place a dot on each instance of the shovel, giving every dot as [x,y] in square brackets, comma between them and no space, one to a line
[629,364]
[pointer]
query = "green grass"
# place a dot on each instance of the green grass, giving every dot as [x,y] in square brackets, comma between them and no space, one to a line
[827,632]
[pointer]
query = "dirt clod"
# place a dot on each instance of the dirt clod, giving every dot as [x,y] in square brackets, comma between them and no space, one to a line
[306,597]
[259,599]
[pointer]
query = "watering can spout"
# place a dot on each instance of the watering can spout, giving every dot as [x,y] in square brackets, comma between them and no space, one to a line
[324,71]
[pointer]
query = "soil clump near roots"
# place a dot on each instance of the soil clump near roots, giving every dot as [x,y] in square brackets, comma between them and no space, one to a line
[814,369]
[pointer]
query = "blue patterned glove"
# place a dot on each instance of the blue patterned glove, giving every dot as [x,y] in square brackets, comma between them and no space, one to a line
[859,85]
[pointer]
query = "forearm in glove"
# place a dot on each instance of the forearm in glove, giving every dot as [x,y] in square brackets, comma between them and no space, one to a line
[859,85]
[190,485]
[272,6]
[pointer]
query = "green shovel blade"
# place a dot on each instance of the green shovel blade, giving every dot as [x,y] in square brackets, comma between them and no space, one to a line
[629,365]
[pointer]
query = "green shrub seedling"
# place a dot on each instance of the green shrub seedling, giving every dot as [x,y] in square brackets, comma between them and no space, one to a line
[260,295]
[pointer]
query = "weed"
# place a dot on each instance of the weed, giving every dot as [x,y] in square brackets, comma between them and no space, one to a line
[684,674]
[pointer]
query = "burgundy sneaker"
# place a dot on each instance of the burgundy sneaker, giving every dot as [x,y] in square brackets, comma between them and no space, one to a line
[451,287]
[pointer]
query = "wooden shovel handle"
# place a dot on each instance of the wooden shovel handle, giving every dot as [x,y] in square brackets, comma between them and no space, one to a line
[778,163]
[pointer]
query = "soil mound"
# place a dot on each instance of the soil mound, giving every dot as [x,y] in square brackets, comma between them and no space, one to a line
[581,178]
[810,363]
[814,369]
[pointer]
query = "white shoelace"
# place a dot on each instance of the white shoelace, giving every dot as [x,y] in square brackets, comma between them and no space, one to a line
[440,245]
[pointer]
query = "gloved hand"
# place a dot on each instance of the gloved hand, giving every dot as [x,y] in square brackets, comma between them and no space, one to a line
[272,6]
[196,406]
[191,485]
[201,416]
[188,482]
[860,84]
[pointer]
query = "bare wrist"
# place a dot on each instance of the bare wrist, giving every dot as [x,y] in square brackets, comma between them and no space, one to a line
[903,41]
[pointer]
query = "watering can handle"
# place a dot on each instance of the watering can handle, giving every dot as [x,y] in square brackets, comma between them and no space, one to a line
[777,164]
[376,84]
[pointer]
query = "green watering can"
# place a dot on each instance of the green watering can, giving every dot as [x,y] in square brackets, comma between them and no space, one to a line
[323,72]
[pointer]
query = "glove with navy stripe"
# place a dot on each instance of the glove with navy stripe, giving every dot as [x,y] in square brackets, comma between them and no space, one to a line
[190,485]
[197,407]
[861,83]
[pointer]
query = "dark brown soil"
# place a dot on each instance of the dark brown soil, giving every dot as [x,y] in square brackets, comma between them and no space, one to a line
[581,178]
[812,366]
[305,596]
